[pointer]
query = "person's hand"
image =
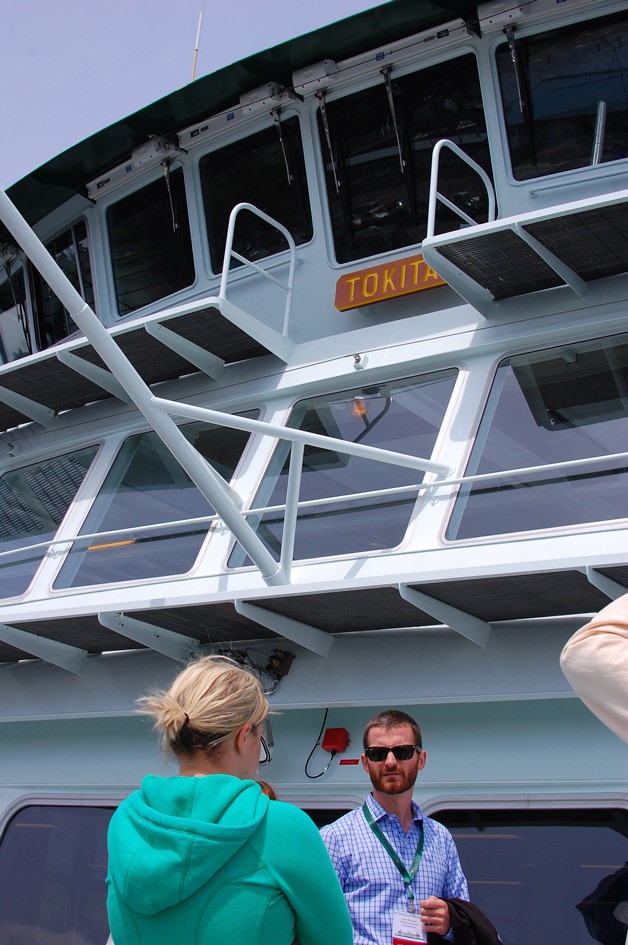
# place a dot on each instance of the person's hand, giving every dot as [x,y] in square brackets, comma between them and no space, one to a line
[435,915]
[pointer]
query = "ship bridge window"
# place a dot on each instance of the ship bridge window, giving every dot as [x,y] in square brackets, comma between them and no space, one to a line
[549,876]
[339,513]
[565,97]
[33,501]
[377,147]
[563,405]
[70,251]
[15,338]
[153,517]
[150,243]
[267,170]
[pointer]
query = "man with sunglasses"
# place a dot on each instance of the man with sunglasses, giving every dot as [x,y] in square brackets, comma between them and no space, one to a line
[396,866]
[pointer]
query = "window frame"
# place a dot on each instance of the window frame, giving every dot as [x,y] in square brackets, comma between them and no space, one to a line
[529,32]
[150,178]
[401,71]
[458,502]
[245,131]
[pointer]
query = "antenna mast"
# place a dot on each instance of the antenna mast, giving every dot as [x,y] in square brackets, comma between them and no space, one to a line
[198,39]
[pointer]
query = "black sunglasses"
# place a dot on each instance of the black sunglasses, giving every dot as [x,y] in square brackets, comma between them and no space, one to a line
[401,752]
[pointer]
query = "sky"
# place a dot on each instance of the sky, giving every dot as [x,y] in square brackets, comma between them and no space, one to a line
[71,67]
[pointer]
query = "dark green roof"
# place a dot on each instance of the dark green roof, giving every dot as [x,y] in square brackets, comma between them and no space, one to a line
[49,186]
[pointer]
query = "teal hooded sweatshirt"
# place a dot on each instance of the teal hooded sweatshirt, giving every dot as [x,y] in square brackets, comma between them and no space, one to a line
[194,861]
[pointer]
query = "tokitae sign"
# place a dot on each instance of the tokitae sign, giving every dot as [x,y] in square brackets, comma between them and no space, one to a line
[386,281]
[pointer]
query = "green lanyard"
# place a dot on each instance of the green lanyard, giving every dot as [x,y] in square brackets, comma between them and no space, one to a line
[406,875]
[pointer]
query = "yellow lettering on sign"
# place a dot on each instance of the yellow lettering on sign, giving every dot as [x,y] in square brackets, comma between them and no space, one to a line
[371,282]
[389,285]
[386,281]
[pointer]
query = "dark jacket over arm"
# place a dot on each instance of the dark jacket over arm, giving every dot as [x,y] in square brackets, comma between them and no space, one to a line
[469,925]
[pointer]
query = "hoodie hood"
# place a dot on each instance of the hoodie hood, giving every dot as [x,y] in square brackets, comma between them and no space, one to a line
[174,834]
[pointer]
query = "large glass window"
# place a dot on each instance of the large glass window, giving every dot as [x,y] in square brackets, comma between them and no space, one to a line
[53,864]
[33,501]
[150,244]
[15,341]
[267,170]
[403,416]
[550,877]
[146,486]
[70,251]
[377,146]
[562,91]
[559,405]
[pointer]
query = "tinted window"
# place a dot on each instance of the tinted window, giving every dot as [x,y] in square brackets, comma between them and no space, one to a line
[147,486]
[151,249]
[569,403]
[33,501]
[15,339]
[267,170]
[377,146]
[403,417]
[549,877]
[70,251]
[53,864]
[564,81]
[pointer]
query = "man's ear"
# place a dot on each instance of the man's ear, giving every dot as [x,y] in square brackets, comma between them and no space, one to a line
[365,763]
[422,760]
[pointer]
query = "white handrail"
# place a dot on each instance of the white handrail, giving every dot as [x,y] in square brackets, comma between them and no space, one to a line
[231,253]
[298,439]
[436,195]
[294,435]
[208,481]
[414,489]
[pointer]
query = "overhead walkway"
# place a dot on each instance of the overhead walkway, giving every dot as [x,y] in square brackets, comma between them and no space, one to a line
[471,607]
[496,264]
[204,335]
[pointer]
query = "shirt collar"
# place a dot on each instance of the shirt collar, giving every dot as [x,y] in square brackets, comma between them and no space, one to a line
[379,813]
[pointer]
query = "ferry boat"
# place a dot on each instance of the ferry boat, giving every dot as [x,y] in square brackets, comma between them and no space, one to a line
[322,362]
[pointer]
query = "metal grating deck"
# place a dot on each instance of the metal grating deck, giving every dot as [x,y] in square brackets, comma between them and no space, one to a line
[568,246]
[47,382]
[492,599]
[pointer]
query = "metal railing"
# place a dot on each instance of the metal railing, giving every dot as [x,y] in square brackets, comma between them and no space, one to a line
[231,253]
[294,506]
[208,481]
[435,195]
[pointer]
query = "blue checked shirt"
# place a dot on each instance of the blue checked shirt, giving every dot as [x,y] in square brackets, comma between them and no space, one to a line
[371,882]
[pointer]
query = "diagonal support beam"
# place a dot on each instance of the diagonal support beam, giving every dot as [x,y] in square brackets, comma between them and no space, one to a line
[93,373]
[205,361]
[30,408]
[197,468]
[573,280]
[474,629]
[70,658]
[318,641]
[606,585]
[174,645]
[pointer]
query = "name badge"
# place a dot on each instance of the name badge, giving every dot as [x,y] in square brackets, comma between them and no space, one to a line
[407,929]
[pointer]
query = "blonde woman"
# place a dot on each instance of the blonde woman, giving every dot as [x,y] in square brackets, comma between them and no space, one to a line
[206,856]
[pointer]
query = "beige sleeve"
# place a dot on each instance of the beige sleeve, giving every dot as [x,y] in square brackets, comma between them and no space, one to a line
[595,661]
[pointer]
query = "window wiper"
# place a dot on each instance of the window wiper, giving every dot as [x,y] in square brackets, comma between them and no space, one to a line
[523,92]
[388,82]
[321,98]
[276,113]
[166,169]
